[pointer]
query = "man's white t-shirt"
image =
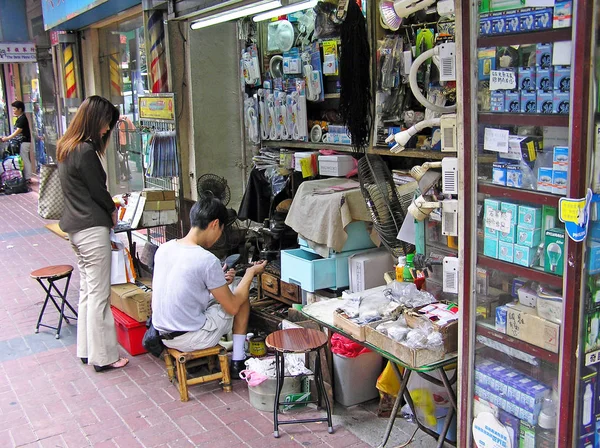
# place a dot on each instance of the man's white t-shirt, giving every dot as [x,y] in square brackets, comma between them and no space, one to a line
[183,278]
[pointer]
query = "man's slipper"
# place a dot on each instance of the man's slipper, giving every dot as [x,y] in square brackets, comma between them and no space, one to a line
[122,362]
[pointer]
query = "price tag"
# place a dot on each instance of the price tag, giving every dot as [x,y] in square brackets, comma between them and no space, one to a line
[502,80]
[498,220]
[495,140]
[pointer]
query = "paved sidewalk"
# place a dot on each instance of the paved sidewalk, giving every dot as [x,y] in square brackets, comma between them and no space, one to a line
[48,398]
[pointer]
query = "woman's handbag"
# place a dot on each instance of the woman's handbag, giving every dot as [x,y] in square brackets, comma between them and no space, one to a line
[50,201]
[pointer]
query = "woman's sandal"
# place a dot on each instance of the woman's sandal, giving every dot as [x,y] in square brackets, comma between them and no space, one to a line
[122,362]
[83,360]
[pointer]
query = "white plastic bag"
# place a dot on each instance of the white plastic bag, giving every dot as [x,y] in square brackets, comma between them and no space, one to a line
[122,270]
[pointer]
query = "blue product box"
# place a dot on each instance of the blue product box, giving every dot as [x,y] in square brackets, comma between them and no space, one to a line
[529,237]
[524,255]
[543,56]
[544,80]
[545,102]
[514,176]
[544,182]
[529,217]
[543,18]
[593,258]
[563,11]
[499,173]
[559,182]
[497,374]
[561,102]
[485,26]
[533,396]
[560,158]
[587,441]
[562,78]
[512,101]
[490,246]
[497,101]
[526,20]
[486,60]
[518,283]
[513,209]
[512,23]
[594,234]
[506,251]
[501,313]
[498,23]
[527,78]
[528,102]
[511,423]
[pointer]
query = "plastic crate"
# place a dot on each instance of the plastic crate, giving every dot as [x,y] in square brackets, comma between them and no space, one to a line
[130,332]
[313,272]
[358,238]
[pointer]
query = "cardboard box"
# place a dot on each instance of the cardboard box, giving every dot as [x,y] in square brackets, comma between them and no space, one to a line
[159,205]
[158,195]
[522,324]
[412,357]
[524,255]
[529,217]
[490,247]
[343,322]
[366,268]
[506,251]
[158,218]
[133,300]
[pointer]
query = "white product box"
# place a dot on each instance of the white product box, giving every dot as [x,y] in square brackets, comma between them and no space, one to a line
[338,165]
[366,268]
[299,156]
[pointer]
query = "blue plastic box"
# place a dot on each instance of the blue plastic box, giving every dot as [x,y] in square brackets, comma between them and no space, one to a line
[358,238]
[313,272]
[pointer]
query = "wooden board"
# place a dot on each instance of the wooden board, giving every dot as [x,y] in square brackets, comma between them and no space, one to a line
[54,228]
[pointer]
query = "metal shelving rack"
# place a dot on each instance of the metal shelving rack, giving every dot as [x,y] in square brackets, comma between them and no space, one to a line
[567,360]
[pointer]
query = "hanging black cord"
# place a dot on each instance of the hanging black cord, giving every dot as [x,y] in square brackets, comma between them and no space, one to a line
[355,97]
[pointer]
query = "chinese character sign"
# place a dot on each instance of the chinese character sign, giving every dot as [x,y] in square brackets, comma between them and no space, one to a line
[17,52]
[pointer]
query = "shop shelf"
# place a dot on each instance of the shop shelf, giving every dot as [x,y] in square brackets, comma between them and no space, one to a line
[523,119]
[504,40]
[520,271]
[518,194]
[305,145]
[329,96]
[488,332]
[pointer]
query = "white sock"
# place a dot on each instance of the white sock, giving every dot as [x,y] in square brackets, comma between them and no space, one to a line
[238,347]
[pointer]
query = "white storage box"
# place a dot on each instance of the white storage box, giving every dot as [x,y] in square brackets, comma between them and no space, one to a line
[366,268]
[337,166]
[299,156]
[355,379]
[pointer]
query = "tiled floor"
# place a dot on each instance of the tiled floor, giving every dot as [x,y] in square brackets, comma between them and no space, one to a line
[49,399]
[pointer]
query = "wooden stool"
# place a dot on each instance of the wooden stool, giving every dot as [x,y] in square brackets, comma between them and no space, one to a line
[51,274]
[298,340]
[182,358]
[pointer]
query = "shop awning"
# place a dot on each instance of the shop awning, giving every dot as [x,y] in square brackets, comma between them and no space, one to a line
[74,15]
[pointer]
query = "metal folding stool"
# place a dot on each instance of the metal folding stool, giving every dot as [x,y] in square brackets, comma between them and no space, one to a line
[298,340]
[52,274]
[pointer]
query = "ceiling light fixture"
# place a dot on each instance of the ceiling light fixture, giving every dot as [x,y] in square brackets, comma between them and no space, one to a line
[295,7]
[235,13]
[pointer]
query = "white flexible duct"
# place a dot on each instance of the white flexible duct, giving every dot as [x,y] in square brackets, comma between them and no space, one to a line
[403,137]
[412,77]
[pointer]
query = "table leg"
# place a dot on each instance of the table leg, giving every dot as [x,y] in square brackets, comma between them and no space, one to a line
[403,383]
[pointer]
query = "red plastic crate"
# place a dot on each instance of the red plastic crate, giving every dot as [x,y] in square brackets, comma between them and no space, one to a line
[130,332]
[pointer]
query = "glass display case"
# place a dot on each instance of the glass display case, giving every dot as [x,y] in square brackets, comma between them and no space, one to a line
[523,288]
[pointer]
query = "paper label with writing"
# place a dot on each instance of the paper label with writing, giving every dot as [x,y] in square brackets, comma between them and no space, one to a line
[495,140]
[498,220]
[575,213]
[502,80]
[488,432]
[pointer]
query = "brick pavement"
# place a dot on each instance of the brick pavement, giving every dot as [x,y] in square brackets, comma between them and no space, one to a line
[49,399]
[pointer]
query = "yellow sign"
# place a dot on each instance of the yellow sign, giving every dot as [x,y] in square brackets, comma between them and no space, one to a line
[157,108]
[572,210]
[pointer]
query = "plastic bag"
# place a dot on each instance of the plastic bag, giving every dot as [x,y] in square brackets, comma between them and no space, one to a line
[341,345]
[387,382]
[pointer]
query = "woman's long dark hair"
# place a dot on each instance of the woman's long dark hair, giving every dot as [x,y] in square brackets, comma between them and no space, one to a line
[355,97]
[93,114]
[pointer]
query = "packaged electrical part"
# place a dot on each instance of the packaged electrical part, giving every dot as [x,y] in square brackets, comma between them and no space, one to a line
[554,248]
[544,102]
[506,251]
[544,182]
[559,182]
[544,80]
[330,58]
[529,217]
[560,160]
[514,176]
[563,12]
[562,78]
[543,56]
[529,237]
[528,102]
[561,102]
[527,78]
[499,173]
[490,246]
[497,102]
[543,18]
[526,20]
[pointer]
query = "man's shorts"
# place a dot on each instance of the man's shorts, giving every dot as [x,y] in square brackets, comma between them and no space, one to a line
[218,322]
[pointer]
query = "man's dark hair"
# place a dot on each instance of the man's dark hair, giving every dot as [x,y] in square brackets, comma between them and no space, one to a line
[206,210]
[19,105]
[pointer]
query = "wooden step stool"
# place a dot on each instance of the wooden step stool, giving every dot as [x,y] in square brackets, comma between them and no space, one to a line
[180,359]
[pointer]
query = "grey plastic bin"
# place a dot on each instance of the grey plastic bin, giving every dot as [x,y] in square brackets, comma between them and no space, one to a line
[355,379]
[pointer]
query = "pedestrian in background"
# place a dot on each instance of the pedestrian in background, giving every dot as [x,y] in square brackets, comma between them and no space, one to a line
[40,151]
[88,216]
[22,133]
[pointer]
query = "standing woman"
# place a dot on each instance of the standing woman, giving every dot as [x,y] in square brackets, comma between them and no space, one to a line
[88,216]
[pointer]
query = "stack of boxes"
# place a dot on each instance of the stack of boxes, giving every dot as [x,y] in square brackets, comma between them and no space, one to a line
[159,209]
[542,88]
[506,17]
[554,180]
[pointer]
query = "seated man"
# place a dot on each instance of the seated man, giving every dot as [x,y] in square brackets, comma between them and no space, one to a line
[192,305]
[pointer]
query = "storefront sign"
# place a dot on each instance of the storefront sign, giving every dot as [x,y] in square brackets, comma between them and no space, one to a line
[489,432]
[17,52]
[57,12]
[157,108]
[575,213]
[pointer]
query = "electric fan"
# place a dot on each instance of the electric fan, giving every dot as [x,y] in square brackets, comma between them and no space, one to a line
[387,208]
[217,185]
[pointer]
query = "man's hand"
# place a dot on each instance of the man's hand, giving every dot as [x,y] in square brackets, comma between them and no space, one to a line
[3,139]
[229,275]
[257,267]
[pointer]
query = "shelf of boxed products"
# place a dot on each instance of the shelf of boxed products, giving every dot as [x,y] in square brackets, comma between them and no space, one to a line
[306,145]
[425,154]
[535,274]
[486,330]
[510,119]
[533,37]
[519,194]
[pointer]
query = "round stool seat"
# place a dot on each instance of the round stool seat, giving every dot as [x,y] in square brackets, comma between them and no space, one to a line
[296,340]
[52,271]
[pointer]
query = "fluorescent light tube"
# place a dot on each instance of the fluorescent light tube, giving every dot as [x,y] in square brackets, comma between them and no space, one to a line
[286,10]
[233,14]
